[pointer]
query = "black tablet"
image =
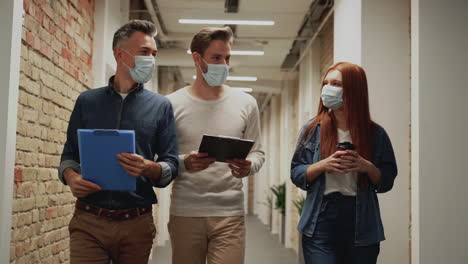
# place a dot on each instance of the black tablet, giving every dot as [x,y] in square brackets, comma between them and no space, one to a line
[224,148]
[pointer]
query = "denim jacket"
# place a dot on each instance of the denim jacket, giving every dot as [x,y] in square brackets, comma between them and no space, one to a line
[152,118]
[369,228]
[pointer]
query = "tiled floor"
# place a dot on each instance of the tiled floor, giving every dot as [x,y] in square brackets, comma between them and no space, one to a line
[261,247]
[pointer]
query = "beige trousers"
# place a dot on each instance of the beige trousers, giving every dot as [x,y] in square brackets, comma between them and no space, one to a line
[212,240]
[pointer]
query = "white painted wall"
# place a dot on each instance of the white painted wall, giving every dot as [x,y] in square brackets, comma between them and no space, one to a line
[109,15]
[309,94]
[347,31]
[440,124]
[376,36]
[285,158]
[415,218]
[287,147]
[270,173]
[11,21]
[274,176]
[386,59]
[262,179]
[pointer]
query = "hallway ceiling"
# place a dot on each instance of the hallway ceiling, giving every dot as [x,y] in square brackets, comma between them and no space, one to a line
[275,41]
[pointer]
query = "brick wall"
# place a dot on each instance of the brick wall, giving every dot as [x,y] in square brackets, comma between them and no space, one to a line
[56,54]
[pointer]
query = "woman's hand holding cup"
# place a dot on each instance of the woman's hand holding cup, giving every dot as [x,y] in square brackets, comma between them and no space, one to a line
[334,163]
[349,158]
[355,163]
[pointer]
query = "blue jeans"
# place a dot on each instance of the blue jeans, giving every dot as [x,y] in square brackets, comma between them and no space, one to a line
[333,238]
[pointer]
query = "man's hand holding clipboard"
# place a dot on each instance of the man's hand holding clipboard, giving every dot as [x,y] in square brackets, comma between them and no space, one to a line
[79,187]
[134,164]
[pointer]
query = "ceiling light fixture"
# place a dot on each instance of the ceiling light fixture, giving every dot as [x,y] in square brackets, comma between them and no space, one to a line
[227,22]
[237,78]
[244,89]
[242,78]
[242,52]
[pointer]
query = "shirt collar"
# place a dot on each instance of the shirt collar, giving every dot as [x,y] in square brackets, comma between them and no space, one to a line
[110,87]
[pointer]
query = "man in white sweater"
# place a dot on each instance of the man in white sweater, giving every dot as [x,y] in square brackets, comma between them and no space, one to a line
[207,205]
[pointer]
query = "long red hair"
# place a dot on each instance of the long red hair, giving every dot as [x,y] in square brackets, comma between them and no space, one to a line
[356,107]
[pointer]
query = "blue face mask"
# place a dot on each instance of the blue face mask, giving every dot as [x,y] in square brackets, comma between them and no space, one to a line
[216,74]
[332,97]
[144,68]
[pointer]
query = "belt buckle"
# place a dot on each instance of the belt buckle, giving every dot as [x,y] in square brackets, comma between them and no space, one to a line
[110,213]
[140,211]
[115,215]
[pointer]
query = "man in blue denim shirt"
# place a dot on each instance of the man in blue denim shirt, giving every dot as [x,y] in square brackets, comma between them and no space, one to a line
[118,225]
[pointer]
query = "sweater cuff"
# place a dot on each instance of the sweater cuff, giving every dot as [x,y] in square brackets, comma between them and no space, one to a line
[65,165]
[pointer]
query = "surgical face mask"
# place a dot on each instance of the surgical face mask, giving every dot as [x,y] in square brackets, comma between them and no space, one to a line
[216,74]
[144,68]
[332,97]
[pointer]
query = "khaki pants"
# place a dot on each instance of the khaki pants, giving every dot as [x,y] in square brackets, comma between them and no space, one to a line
[96,240]
[212,240]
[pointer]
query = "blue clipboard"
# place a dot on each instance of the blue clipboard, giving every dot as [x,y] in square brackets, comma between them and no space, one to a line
[98,157]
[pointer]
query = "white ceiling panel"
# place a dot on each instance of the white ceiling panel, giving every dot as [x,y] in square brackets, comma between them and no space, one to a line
[274,40]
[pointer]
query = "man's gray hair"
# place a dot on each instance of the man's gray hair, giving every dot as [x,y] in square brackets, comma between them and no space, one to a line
[125,31]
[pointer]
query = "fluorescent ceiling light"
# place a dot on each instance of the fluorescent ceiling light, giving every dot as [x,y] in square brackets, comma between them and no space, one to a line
[248,52]
[242,52]
[237,78]
[227,22]
[242,78]
[244,89]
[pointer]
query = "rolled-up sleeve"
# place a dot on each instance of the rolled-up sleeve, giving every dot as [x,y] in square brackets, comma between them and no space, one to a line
[166,174]
[166,148]
[70,156]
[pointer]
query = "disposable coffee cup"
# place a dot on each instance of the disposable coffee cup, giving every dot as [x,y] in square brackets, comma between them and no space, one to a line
[343,146]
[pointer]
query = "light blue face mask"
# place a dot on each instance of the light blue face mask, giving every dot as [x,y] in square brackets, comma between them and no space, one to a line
[332,97]
[216,74]
[144,68]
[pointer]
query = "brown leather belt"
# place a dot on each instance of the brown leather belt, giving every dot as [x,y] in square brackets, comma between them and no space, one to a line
[118,215]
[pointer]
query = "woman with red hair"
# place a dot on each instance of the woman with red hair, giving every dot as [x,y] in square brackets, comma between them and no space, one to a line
[341,222]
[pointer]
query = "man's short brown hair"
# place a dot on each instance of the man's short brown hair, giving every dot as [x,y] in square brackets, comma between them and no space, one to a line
[201,41]
[125,31]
